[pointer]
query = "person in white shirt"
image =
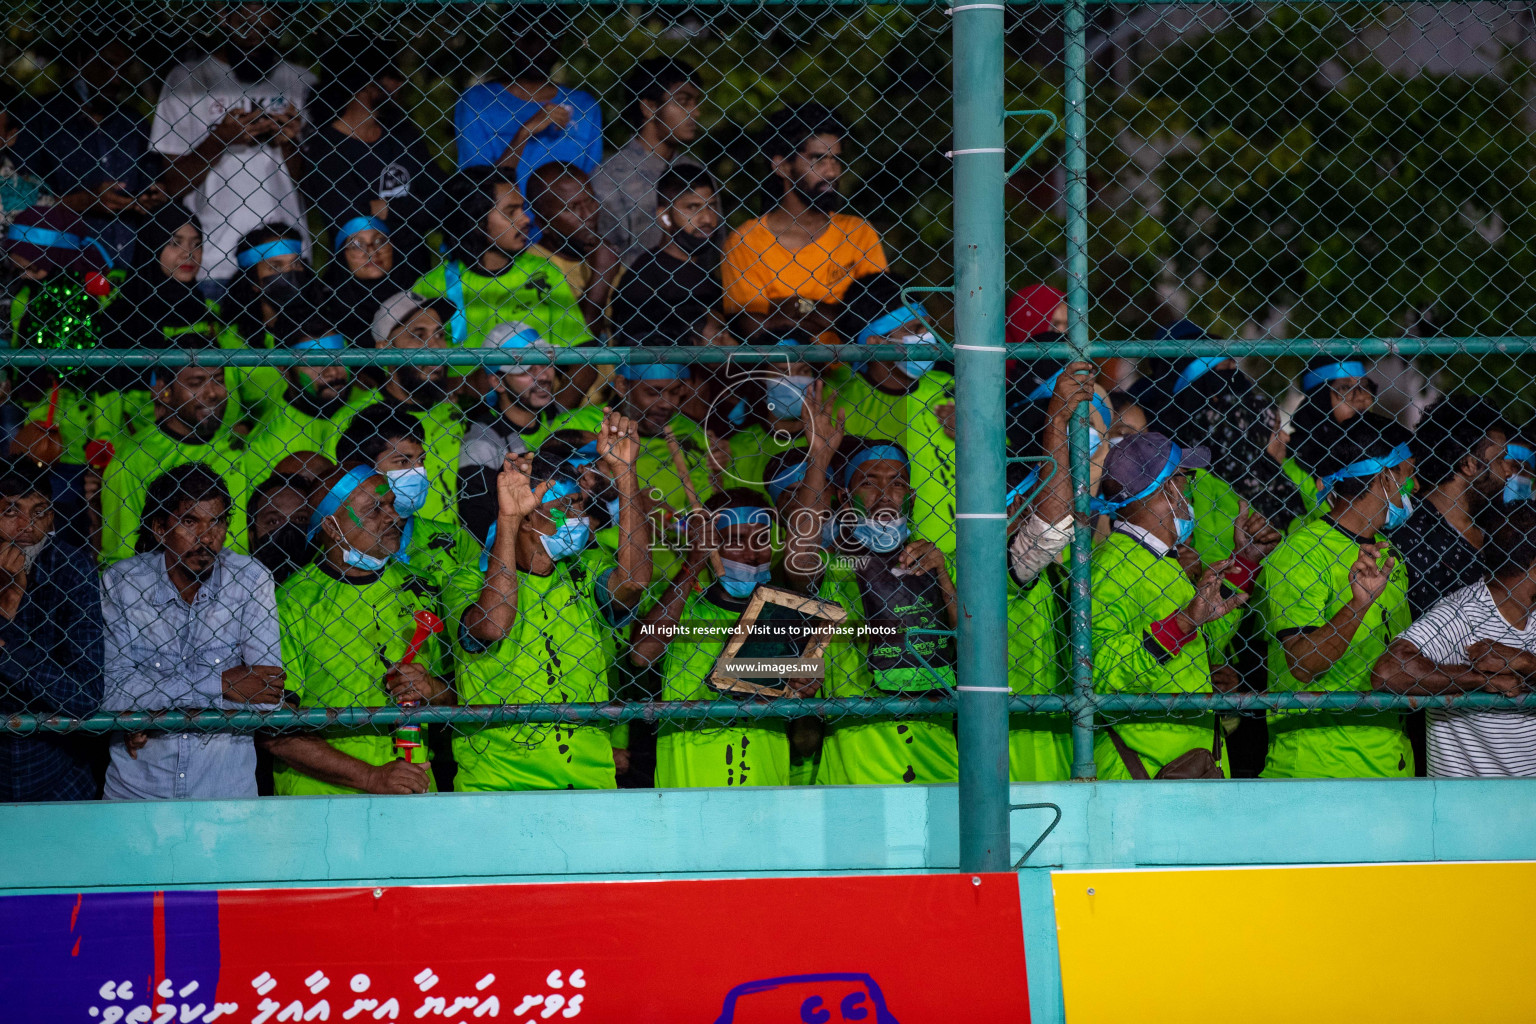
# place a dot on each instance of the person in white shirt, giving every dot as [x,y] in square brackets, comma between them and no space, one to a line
[1480,637]
[229,125]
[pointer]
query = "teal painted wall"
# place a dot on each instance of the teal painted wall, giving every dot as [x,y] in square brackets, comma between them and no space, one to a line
[650,834]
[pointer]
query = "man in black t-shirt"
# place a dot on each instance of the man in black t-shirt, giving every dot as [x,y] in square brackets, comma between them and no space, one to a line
[366,158]
[670,290]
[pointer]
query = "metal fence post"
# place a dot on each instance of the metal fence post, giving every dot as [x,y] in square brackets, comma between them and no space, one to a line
[1075,81]
[981,529]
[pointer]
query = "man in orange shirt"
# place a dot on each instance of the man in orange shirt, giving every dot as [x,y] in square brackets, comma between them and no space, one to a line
[800,253]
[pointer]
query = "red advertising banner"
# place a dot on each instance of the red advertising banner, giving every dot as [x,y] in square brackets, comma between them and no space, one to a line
[873,950]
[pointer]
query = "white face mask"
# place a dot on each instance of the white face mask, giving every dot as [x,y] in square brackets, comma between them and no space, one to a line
[31,551]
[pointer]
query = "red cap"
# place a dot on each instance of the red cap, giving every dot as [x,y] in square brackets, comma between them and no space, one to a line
[1030,311]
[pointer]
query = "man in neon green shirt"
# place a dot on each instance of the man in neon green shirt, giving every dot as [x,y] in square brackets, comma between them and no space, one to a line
[909,402]
[1149,619]
[420,391]
[745,753]
[490,277]
[392,443]
[189,427]
[1335,597]
[869,481]
[304,418]
[529,624]
[347,622]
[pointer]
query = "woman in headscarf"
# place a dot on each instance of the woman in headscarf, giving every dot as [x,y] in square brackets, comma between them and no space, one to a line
[363,273]
[1336,390]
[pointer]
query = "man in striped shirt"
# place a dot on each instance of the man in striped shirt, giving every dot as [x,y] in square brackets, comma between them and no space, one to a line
[1480,637]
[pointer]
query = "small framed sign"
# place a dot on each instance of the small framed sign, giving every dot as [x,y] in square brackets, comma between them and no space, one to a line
[779,640]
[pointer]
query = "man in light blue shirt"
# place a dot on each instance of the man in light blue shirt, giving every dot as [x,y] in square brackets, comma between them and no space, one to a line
[189,625]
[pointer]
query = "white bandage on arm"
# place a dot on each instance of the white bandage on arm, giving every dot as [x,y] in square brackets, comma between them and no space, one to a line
[1036,545]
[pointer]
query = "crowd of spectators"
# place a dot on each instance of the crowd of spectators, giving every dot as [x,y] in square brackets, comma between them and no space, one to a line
[185,537]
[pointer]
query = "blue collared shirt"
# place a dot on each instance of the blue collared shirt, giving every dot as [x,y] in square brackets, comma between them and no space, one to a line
[164,653]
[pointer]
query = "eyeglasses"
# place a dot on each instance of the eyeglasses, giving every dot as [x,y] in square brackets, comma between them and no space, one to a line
[367,248]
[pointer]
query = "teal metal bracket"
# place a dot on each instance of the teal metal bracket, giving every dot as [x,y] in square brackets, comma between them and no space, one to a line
[1048,829]
[1039,141]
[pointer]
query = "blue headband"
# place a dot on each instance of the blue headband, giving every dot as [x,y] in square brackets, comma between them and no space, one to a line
[743,515]
[1366,467]
[339,493]
[1334,371]
[330,342]
[521,339]
[559,488]
[1105,506]
[785,480]
[1520,453]
[890,321]
[48,238]
[1197,368]
[583,456]
[653,371]
[357,224]
[873,453]
[1022,489]
[268,250]
[1047,386]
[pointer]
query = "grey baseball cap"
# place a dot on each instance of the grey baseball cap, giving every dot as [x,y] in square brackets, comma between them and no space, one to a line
[1140,462]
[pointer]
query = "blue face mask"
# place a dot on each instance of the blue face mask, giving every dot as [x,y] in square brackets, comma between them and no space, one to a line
[614,506]
[1397,515]
[1186,529]
[882,536]
[915,368]
[410,487]
[1517,488]
[785,396]
[570,538]
[362,560]
[739,579]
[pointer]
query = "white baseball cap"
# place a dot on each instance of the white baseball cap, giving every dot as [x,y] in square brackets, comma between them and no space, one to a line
[394,311]
[514,335]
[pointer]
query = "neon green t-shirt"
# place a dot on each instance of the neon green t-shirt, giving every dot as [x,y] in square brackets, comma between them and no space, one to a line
[553,654]
[1306,582]
[1133,588]
[443,428]
[435,549]
[1039,746]
[257,386]
[339,637]
[878,751]
[908,419]
[532,291]
[282,430]
[710,754]
[125,486]
[752,448]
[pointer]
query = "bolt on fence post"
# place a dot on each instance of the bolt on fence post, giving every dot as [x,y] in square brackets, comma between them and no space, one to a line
[980,523]
[1075,81]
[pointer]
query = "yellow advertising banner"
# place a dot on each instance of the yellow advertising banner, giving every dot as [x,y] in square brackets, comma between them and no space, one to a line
[1398,943]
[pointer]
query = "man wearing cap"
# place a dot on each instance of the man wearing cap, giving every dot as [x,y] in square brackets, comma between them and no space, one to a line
[737,753]
[1335,597]
[1149,619]
[532,624]
[651,394]
[1481,469]
[519,401]
[190,404]
[901,401]
[419,390]
[849,540]
[304,418]
[348,623]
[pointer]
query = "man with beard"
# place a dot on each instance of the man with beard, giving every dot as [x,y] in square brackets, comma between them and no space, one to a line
[189,427]
[50,628]
[189,625]
[673,287]
[420,391]
[665,98]
[800,251]
[304,418]
[1480,466]
[229,124]
[519,402]
[88,145]
[561,198]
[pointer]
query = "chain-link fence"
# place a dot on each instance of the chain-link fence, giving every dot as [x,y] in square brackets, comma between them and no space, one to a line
[497,397]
